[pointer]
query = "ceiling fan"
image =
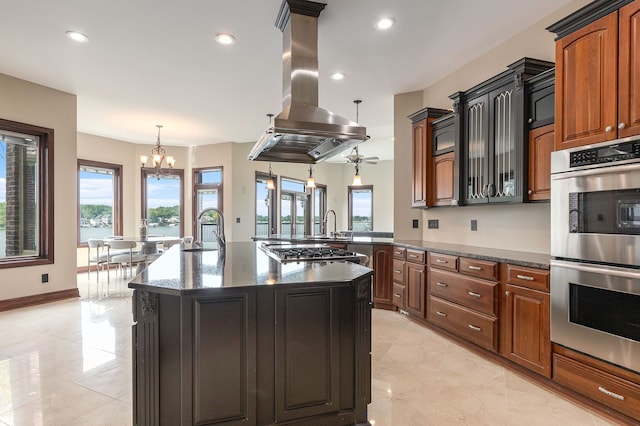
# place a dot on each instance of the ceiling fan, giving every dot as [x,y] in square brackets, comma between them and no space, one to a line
[356,158]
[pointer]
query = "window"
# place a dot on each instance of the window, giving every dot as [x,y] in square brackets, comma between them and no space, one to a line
[319,207]
[99,200]
[265,206]
[207,190]
[162,201]
[26,195]
[295,208]
[361,208]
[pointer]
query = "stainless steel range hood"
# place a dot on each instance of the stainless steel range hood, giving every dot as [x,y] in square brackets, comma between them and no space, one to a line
[303,132]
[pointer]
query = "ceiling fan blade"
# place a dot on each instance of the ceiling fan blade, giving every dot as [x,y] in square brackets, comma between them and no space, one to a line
[370,162]
[370,158]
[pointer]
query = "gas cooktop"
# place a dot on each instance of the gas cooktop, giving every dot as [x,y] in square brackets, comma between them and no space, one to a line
[310,252]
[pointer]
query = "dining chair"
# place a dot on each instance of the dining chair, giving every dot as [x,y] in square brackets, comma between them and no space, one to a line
[129,257]
[100,257]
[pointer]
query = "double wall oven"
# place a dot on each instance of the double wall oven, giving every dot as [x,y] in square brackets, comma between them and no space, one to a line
[595,246]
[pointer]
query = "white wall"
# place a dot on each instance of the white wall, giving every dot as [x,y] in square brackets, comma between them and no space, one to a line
[514,227]
[30,103]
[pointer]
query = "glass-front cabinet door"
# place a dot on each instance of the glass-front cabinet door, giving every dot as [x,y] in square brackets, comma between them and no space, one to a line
[476,150]
[503,158]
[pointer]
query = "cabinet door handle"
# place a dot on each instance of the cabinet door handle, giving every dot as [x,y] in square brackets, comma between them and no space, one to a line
[474,328]
[441,261]
[442,314]
[621,126]
[396,295]
[525,277]
[530,120]
[507,293]
[530,192]
[612,394]
[608,129]
[439,284]
[475,268]
[414,256]
[397,271]
[471,293]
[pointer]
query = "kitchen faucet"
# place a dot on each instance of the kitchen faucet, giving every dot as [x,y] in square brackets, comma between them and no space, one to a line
[219,232]
[325,220]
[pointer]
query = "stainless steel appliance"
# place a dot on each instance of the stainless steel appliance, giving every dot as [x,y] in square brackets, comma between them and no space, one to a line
[287,252]
[303,132]
[595,245]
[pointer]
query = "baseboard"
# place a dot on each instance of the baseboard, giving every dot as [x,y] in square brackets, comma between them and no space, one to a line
[37,299]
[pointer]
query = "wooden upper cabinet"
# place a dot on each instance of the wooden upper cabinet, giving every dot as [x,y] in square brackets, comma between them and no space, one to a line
[444,180]
[541,145]
[586,84]
[422,154]
[629,70]
[597,76]
[419,169]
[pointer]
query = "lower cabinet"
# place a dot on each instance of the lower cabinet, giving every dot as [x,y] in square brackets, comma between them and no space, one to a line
[383,277]
[526,324]
[464,300]
[416,284]
[612,386]
[399,288]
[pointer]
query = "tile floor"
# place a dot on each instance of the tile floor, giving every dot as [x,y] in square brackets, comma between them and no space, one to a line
[69,363]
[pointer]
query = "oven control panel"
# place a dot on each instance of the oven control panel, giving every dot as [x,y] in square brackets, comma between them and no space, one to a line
[605,154]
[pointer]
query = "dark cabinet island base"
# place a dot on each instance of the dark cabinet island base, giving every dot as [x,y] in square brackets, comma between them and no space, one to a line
[283,353]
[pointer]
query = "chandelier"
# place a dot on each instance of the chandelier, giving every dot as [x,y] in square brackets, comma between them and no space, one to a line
[158,157]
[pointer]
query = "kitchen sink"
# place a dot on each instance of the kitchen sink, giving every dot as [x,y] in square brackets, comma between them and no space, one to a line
[195,249]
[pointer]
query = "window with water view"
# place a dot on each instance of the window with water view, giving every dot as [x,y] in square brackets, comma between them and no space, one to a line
[361,208]
[162,202]
[99,198]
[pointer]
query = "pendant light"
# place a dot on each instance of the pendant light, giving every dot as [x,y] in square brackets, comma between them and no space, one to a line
[158,157]
[311,182]
[357,180]
[270,184]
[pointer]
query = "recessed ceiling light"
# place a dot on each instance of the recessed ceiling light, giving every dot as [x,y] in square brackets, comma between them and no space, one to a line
[385,23]
[338,76]
[76,36]
[225,38]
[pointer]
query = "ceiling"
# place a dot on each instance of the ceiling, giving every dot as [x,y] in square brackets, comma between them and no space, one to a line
[156,62]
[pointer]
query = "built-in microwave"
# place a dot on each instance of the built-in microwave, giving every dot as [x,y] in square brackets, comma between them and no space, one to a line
[595,203]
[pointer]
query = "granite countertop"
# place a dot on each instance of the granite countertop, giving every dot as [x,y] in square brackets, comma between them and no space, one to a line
[244,265]
[522,258]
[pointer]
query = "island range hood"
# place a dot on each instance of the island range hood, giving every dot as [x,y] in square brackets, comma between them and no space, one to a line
[303,132]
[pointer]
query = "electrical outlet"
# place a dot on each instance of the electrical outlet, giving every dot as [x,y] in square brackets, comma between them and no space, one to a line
[474,225]
[433,224]
[237,220]
[415,223]
[45,278]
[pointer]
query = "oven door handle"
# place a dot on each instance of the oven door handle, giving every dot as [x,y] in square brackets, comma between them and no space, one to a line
[600,170]
[597,269]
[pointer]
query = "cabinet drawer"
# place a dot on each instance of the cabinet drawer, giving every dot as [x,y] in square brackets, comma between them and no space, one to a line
[470,292]
[479,268]
[416,256]
[603,387]
[443,261]
[398,295]
[399,252]
[537,279]
[473,326]
[398,271]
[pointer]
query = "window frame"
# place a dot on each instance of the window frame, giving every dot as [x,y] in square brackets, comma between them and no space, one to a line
[323,206]
[117,195]
[150,171]
[273,201]
[45,182]
[196,176]
[350,190]
[308,225]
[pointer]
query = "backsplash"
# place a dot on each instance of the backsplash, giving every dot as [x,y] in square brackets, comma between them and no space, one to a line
[521,227]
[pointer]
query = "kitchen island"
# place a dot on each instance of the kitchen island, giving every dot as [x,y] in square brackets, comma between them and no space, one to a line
[245,339]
